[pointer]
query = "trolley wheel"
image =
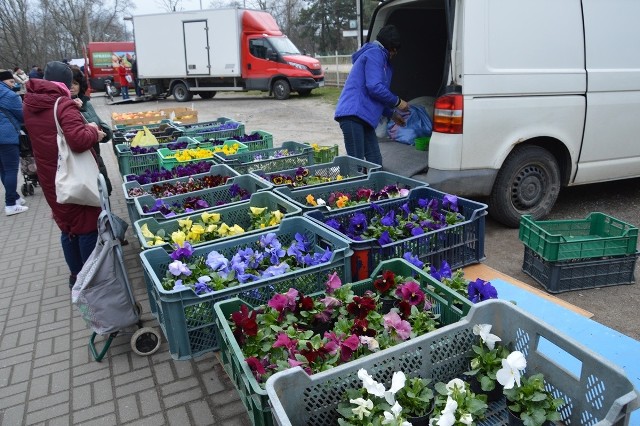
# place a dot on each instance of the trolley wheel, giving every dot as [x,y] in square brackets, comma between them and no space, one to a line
[24,191]
[31,189]
[145,341]
[138,308]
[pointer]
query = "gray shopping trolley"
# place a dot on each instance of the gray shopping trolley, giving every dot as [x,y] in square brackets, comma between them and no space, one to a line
[102,292]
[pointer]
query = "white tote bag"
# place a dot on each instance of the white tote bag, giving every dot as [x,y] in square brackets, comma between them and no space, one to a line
[77,173]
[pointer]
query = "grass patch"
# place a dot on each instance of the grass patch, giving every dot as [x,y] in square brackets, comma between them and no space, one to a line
[328,94]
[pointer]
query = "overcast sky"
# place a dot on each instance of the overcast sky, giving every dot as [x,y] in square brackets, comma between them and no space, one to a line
[144,7]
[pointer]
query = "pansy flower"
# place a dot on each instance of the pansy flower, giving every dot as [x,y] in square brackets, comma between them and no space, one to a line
[411,293]
[480,290]
[361,306]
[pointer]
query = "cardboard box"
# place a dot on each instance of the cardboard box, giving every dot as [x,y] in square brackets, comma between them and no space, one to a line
[182,115]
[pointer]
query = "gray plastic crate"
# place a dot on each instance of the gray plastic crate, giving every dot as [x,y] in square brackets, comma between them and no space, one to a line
[598,393]
[300,155]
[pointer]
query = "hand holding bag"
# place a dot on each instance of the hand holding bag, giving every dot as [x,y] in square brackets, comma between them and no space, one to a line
[77,173]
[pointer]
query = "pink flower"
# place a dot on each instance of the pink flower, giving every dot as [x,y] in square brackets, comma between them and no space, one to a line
[411,292]
[278,302]
[256,367]
[330,302]
[294,362]
[333,283]
[283,341]
[401,327]
[348,346]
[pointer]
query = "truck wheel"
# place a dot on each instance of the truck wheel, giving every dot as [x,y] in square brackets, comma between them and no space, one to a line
[281,90]
[207,95]
[181,93]
[304,93]
[527,183]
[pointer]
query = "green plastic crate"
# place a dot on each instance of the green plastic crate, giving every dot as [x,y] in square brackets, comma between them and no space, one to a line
[596,392]
[460,244]
[451,306]
[568,275]
[216,169]
[325,153]
[300,155]
[265,141]
[234,214]
[123,133]
[187,319]
[375,181]
[215,197]
[128,163]
[350,168]
[598,235]
[212,130]
[168,162]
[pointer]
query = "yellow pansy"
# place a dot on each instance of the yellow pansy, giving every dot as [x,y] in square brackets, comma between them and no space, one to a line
[339,177]
[315,146]
[236,230]
[223,230]
[197,229]
[311,200]
[185,224]
[257,211]
[210,217]
[211,228]
[276,217]
[145,231]
[193,237]
[178,237]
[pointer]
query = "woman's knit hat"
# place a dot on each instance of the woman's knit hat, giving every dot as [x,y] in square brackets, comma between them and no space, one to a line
[389,37]
[58,71]
[6,75]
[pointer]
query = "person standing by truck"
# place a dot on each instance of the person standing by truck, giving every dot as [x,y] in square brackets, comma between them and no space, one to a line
[366,96]
[124,82]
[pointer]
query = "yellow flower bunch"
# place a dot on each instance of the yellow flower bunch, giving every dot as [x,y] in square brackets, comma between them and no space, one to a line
[209,227]
[192,154]
[228,149]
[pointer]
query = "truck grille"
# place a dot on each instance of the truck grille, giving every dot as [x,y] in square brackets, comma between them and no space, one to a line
[316,72]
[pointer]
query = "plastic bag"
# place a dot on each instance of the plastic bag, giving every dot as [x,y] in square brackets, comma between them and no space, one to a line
[144,138]
[418,125]
[381,130]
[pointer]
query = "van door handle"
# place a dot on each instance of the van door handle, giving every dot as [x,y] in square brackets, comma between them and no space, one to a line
[248,66]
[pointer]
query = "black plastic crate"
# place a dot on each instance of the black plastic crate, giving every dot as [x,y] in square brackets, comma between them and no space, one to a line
[568,275]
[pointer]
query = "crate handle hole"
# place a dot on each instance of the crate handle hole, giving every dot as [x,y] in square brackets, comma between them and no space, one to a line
[560,357]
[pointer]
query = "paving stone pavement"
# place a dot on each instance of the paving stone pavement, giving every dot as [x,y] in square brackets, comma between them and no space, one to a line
[47,373]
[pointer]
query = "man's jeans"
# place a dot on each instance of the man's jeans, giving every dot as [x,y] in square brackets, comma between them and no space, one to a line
[9,163]
[360,140]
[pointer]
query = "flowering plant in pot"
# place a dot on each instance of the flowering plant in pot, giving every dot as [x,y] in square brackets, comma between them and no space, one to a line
[166,189]
[455,404]
[373,404]
[266,259]
[528,402]
[339,200]
[301,177]
[209,227]
[287,330]
[486,361]
[192,204]
[152,176]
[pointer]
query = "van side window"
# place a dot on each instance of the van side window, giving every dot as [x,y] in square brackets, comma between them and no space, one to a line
[258,48]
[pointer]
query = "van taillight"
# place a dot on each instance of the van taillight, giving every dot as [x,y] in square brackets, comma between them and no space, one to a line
[447,114]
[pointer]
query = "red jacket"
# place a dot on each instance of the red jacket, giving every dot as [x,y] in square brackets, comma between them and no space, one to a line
[38,117]
[122,73]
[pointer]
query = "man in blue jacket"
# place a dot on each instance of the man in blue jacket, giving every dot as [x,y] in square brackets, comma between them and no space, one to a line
[366,96]
[11,120]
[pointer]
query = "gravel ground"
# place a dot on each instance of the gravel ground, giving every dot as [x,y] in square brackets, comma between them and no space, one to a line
[310,119]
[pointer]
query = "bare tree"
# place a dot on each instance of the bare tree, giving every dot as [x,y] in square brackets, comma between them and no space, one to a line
[14,39]
[170,5]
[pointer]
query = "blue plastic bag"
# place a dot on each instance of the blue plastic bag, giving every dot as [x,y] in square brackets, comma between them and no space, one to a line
[418,125]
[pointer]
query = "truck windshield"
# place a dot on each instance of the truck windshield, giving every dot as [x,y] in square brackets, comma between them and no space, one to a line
[284,46]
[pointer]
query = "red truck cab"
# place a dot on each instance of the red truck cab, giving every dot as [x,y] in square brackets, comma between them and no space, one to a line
[103,58]
[271,60]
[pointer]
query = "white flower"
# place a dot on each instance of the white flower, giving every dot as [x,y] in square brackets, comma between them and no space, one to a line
[397,382]
[448,416]
[483,330]
[363,408]
[373,387]
[321,202]
[511,369]
[466,419]
[456,383]
[371,343]
[391,417]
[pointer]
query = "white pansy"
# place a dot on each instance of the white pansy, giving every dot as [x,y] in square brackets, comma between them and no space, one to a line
[466,419]
[321,202]
[391,417]
[397,382]
[373,387]
[484,331]
[456,383]
[370,342]
[364,407]
[511,370]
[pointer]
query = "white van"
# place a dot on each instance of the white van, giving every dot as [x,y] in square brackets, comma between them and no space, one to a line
[529,96]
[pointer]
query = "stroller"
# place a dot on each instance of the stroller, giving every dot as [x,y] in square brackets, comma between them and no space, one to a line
[27,165]
[102,292]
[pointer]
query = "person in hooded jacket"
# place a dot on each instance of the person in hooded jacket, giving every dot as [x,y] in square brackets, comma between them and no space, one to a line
[366,96]
[77,223]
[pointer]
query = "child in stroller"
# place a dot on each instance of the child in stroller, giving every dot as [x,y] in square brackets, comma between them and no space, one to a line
[27,165]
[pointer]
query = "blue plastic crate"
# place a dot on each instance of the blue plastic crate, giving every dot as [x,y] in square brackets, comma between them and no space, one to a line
[300,155]
[216,169]
[187,319]
[460,244]
[348,168]
[237,214]
[215,197]
[375,181]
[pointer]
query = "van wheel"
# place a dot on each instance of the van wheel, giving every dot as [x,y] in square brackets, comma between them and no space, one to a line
[207,95]
[281,90]
[527,183]
[181,92]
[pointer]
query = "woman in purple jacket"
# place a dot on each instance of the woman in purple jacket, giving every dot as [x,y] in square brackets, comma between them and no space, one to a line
[366,96]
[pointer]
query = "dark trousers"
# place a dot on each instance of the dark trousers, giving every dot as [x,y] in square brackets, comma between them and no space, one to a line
[9,164]
[360,140]
[77,249]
